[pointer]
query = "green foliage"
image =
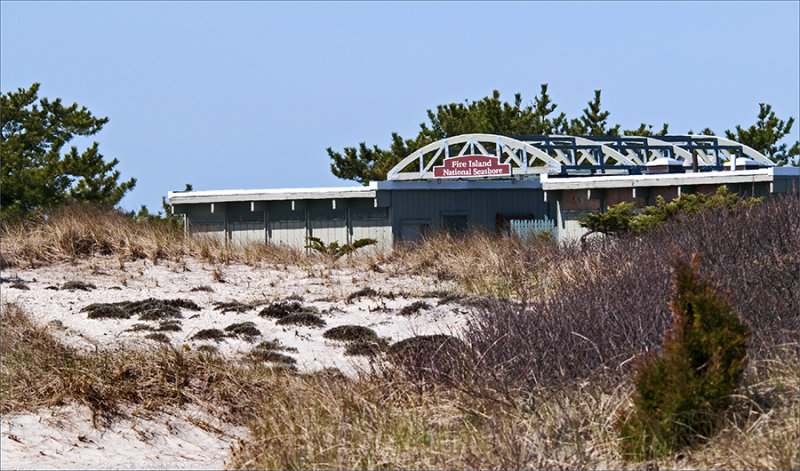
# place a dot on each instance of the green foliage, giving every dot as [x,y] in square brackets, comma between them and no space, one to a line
[682,390]
[623,217]
[167,217]
[617,219]
[690,204]
[35,173]
[334,250]
[487,115]
[765,135]
[494,116]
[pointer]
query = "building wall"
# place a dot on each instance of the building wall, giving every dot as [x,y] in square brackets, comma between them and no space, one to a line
[407,212]
[416,212]
[287,222]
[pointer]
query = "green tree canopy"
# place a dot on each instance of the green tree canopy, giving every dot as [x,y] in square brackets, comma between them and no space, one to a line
[35,173]
[488,115]
[765,136]
[491,115]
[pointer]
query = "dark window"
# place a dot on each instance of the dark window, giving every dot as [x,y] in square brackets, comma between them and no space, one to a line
[414,230]
[454,222]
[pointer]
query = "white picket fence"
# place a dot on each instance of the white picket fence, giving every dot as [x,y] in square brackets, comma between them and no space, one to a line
[533,227]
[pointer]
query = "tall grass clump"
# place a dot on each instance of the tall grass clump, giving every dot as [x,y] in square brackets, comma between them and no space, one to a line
[481,262]
[682,390]
[81,230]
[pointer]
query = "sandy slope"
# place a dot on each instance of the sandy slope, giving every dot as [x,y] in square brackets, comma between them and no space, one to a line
[49,439]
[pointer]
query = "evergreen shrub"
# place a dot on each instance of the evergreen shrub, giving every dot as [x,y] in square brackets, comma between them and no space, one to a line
[682,390]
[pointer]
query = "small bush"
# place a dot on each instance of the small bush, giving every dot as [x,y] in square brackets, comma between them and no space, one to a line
[271,356]
[334,250]
[280,310]
[158,337]
[79,285]
[365,347]
[350,333]
[414,308]
[106,311]
[247,330]
[140,327]
[450,298]
[682,390]
[149,309]
[234,306]
[169,326]
[209,349]
[275,345]
[308,319]
[160,312]
[209,334]
[362,293]
[204,288]
[183,304]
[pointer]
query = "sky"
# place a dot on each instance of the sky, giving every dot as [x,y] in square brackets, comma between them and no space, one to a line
[248,95]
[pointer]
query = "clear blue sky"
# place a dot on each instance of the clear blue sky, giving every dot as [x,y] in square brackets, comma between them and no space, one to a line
[249,95]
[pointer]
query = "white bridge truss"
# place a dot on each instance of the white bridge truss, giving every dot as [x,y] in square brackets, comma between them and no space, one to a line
[529,155]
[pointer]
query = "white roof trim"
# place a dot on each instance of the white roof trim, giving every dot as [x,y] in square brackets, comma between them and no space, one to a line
[550,183]
[220,196]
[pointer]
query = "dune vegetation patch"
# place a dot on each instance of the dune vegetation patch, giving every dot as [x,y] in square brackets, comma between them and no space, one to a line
[350,333]
[366,292]
[360,340]
[170,326]
[234,306]
[414,308]
[209,334]
[366,347]
[282,309]
[78,285]
[245,330]
[149,309]
[107,311]
[306,319]
[203,288]
[158,337]
[270,351]
[540,377]
[274,345]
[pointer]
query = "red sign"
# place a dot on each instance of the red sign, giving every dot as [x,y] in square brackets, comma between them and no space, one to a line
[471,166]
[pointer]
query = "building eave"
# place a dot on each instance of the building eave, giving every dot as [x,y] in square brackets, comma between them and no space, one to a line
[551,183]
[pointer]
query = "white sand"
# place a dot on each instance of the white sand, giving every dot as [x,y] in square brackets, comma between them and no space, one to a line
[45,440]
[64,438]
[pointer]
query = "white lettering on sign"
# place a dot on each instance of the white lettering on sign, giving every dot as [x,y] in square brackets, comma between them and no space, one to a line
[471,166]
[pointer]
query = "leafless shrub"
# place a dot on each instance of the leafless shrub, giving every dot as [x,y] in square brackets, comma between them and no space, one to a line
[613,301]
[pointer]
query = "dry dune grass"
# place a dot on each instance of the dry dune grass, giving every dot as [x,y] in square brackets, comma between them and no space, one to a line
[386,420]
[579,312]
[81,231]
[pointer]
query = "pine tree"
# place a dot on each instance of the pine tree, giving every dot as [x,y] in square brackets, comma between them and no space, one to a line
[594,121]
[489,115]
[765,135]
[35,173]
